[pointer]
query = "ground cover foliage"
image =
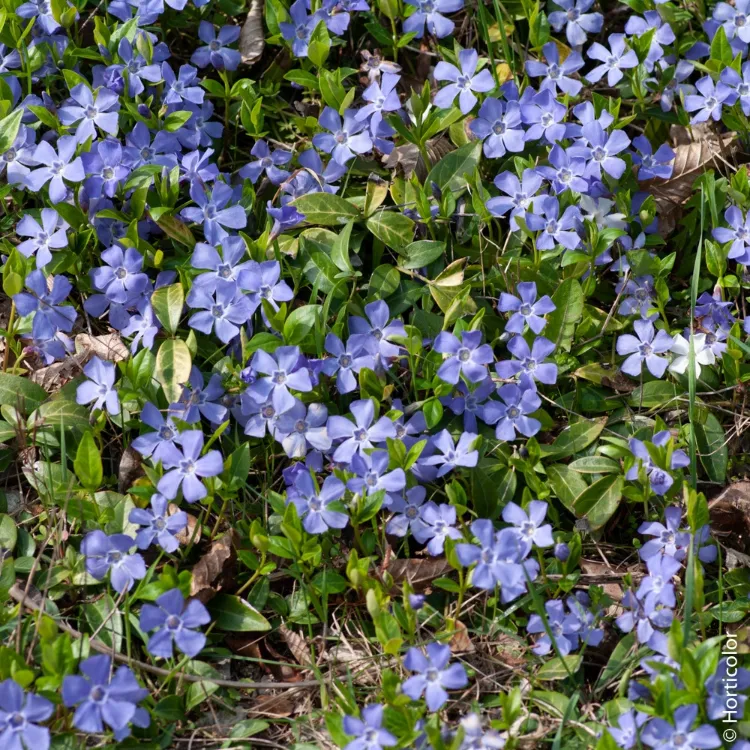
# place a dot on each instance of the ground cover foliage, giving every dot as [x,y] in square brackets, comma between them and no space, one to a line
[374,374]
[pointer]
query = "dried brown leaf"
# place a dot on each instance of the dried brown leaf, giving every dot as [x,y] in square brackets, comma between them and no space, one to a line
[211,570]
[297,645]
[601,572]
[406,159]
[420,573]
[461,643]
[273,706]
[252,38]
[108,347]
[189,533]
[692,158]
[730,516]
[129,470]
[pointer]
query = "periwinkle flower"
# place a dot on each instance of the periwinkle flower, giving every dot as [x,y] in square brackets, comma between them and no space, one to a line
[544,114]
[519,195]
[529,527]
[345,139]
[303,427]
[160,444]
[105,168]
[491,559]
[158,525]
[261,414]
[20,715]
[137,68]
[99,388]
[407,511]
[50,235]
[462,83]
[738,235]
[378,325]
[361,434]
[676,85]
[452,455]
[16,160]
[657,587]
[709,100]
[511,417]
[284,218]
[268,162]
[200,399]
[55,167]
[141,149]
[283,371]
[659,733]
[111,554]
[368,731]
[716,313]
[121,278]
[372,474]
[556,74]
[668,539]
[435,675]
[663,35]
[526,308]
[652,165]
[637,295]
[196,167]
[614,60]
[382,98]
[647,349]
[215,52]
[313,505]
[499,126]
[199,130]
[429,13]
[467,356]
[300,29]
[602,151]
[563,626]
[436,524]
[566,172]
[182,87]
[416,601]
[214,212]
[221,313]
[91,112]
[659,478]
[221,270]
[561,551]
[701,355]
[471,404]
[190,468]
[335,16]
[726,682]
[529,362]
[105,698]
[375,65]
[578,23]
[734,19]
[347,360]
[176,623]
[262,281]
[740,84]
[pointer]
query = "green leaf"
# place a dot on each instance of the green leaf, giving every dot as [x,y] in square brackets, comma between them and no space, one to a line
[61,412]
[168,302]
[8,533]
[655,393]
[173,362]
[393,229]
[595,465]
[449,173]
[233,614]
[562,321]
[303,78]
[20,393]
[9,127]
[575,438]
[555,669]
[176,120]
[319,46]
[566,483]
[176,230]
[422,253]
[88,463]
[340,250]
[326,209]
[714,452]
[384,281]
[721,50]
[300,324]
[103,616]
[598,502]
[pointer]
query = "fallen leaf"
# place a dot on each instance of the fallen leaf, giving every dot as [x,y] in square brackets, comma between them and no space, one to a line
[297,645]
[212,568]
[420,573]
[730,516]
[406,159]
[599,571]
[129,470]
[273,706]
[691,160]
[461,643]
[186,535]
[252,38]
[108,347]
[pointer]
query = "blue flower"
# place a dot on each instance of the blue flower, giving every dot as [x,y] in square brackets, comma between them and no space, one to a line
[214,213]
[158,524]
[298,32]
[429,13]
[181,88]
[361,434]
[368,731]
[659,733]
[55,167]
[738,235]
[137,68]
[467,356]
[436,524]
[20,714]
[50,316]
[266,161]
[176,624]
[345,140]
[511,416]
[659,478]
[99,387]
[50,235]
[221,270]
[545,115]
[283,371]
[526,309]
[222,313]
[372,474]
[111,554]
[159,445]
[313,506]
[200,400]
[407,511]
[435,675]
[471,404]
[566,172]
[284,218]
[556,74]
[452,455]
[121,278]
[101,699]
[301,427]
[519,196]
[614,60]
[653,165]
[644,349]
[499,126]
[578,23]
[91,112]
[563,627]
[191,467]
[359,352]
[708,103]
[529,363]
[215,52]
[463,82]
